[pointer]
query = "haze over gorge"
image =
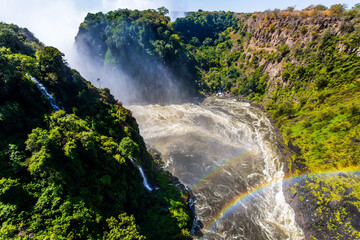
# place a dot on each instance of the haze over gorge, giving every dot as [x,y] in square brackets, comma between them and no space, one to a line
[214,125]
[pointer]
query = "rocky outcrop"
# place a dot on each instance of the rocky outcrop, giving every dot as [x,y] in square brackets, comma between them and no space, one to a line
[279,32]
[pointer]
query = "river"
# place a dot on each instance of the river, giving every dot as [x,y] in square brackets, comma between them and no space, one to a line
[225,151]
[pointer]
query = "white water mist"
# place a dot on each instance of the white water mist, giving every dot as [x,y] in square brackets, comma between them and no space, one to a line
[222,149]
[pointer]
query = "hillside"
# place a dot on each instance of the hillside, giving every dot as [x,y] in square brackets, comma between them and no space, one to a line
[68,174]
[300,66]
[303,67]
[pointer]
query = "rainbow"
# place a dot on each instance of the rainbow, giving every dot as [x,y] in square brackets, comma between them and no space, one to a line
[242,197]
[213,173]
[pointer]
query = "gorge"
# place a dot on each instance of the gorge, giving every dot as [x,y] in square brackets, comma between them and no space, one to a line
[222,149]
[250,119]
[300,66]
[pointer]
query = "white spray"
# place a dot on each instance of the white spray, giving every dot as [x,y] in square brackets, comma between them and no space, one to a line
[221,149]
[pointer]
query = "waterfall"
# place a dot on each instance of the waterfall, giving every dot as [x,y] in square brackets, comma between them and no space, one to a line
[145,182]
[44,92]
[226,152]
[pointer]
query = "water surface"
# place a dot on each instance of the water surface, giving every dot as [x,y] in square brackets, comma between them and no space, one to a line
[224,149]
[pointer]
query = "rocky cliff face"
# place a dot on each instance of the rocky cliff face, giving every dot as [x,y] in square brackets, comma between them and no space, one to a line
[304,68]
[311,59]
[290,33]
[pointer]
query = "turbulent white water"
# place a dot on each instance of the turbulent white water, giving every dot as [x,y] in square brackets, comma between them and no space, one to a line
[222,149]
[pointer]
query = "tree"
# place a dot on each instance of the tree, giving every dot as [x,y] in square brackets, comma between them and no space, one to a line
[129,148]
[195,41]
[290,9]
[163,11]
[178,212]
[308,8]
[50,59]
[319,7]
[357,6]
[123,227]
[337,9]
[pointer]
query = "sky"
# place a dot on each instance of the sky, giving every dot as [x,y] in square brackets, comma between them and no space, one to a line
[56,22]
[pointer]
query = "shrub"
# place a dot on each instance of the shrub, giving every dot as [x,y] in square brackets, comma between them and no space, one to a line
[321,82]
[347,28]
[285,108]
[284,49]
[303,30]
[342,126]
[123,227]
[129,148]
[337,9]
[325,114]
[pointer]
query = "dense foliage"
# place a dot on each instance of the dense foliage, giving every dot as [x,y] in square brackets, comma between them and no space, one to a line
[67,174]
[218,55]
[143,46]
[303,67]
[199,26]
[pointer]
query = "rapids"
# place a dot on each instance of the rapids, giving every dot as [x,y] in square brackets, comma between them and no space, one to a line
[225,151]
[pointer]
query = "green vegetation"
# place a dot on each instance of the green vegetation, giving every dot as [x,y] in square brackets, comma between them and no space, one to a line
[67,174]
[142,45]
[334,204]
[303,67]
[220,57]
[198,27]
[59,168]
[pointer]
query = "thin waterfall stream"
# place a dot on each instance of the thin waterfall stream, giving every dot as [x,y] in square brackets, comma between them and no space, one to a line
[145,181]
[225,151]
[46,94]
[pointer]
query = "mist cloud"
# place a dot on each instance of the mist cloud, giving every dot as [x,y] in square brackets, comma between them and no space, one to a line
[56,22]
[53,22]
